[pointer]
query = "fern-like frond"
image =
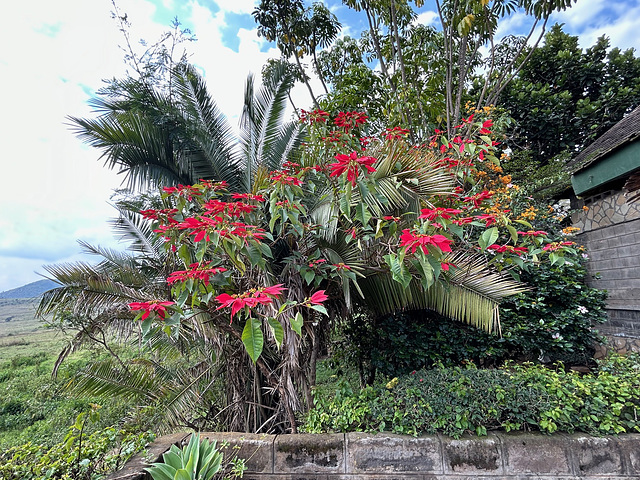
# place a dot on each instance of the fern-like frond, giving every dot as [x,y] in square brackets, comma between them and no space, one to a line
[470,293]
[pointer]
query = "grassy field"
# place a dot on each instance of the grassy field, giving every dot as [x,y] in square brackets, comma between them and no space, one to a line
[21,334]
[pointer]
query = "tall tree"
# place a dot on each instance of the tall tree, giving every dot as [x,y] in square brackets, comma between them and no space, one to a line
[563,98]
[297,31]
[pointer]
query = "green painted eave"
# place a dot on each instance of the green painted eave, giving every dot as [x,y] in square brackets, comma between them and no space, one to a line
[616,165]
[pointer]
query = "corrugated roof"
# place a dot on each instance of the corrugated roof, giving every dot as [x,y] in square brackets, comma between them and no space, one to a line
[623,132]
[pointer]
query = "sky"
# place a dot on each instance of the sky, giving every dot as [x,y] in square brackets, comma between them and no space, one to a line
[54,55]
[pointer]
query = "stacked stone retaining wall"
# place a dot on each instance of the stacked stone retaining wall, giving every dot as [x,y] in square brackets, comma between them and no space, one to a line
[358,456]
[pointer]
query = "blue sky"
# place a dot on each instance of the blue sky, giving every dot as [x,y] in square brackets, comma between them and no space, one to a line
[54,56]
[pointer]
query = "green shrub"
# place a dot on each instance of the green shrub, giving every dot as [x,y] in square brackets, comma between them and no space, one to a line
[459,400]
[78,457]
[554,321]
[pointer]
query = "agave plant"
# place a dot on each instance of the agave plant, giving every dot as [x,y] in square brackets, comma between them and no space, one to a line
[198,460]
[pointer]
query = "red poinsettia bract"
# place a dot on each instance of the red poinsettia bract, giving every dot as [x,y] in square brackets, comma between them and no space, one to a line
[160,308]
[251,299]
[318,297]
[351,164]
[432,214]
[196,272]
[413,241]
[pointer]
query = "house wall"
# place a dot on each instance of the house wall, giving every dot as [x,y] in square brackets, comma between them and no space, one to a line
[610,230]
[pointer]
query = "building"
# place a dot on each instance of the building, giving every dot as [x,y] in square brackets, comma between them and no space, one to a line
[606,180]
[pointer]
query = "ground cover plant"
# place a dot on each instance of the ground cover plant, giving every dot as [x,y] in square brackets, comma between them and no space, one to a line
[516,397]
[79,456]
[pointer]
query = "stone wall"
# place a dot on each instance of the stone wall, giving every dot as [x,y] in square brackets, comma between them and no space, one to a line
[358,456]
[610,229]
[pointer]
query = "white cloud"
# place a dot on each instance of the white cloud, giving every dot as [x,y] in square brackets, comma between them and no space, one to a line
[237,6]
[620,25]
[427,18]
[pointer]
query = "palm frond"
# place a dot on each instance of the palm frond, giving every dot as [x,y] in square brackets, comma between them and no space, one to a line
[137,147]
[266,141]
[211,152]
[470,294]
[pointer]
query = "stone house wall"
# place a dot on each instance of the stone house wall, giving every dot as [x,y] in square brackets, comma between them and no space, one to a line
[610,230]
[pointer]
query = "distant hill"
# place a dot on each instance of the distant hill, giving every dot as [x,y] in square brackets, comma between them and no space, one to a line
[31,290]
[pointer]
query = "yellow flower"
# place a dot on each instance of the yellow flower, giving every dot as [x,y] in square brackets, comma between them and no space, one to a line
[392,383]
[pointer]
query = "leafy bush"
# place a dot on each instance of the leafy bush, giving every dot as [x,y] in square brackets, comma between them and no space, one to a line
[556,318]
[34,407]
[552,321]
[459,400]
[77,457]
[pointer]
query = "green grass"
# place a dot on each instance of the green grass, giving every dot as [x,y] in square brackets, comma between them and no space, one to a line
[33,405]
[22,334]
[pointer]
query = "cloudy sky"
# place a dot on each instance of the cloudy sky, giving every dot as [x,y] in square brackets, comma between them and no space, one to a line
[53,57]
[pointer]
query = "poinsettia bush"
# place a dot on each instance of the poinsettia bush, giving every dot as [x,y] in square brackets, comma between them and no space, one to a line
[357,223]
[553,319]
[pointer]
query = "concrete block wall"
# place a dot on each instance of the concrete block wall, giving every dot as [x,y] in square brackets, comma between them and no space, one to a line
[611,234]
[498,456]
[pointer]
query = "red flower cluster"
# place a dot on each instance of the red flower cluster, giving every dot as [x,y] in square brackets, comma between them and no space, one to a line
[445,213]
[413,241]
[396,133]
[233,209]
[250,299]
[532,233]
[507,249]
[349,120]
[488,218]
[152,214]
[316,116]
[284,178]
[187,191]
[485,127]
[552,247]
[315,263]
[202,227]
[351,164]
[478,198]
[247,196]
[160,308]
[318,297]
[197,272]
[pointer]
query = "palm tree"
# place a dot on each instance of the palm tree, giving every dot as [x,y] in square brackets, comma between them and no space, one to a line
[158,137]
[180,138]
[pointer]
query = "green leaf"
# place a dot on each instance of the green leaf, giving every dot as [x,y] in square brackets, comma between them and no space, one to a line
[362,213]
[321,309]
[273,221]
[255,255]
[296,323]
[457,230]
[399,271]
[161,471]
[488,237]
[345,204]
[525,223]
[276,330]
[202,249]
[265,249]
[252,338]
[184,254]
[513,232]
[309,276]
[182,474]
